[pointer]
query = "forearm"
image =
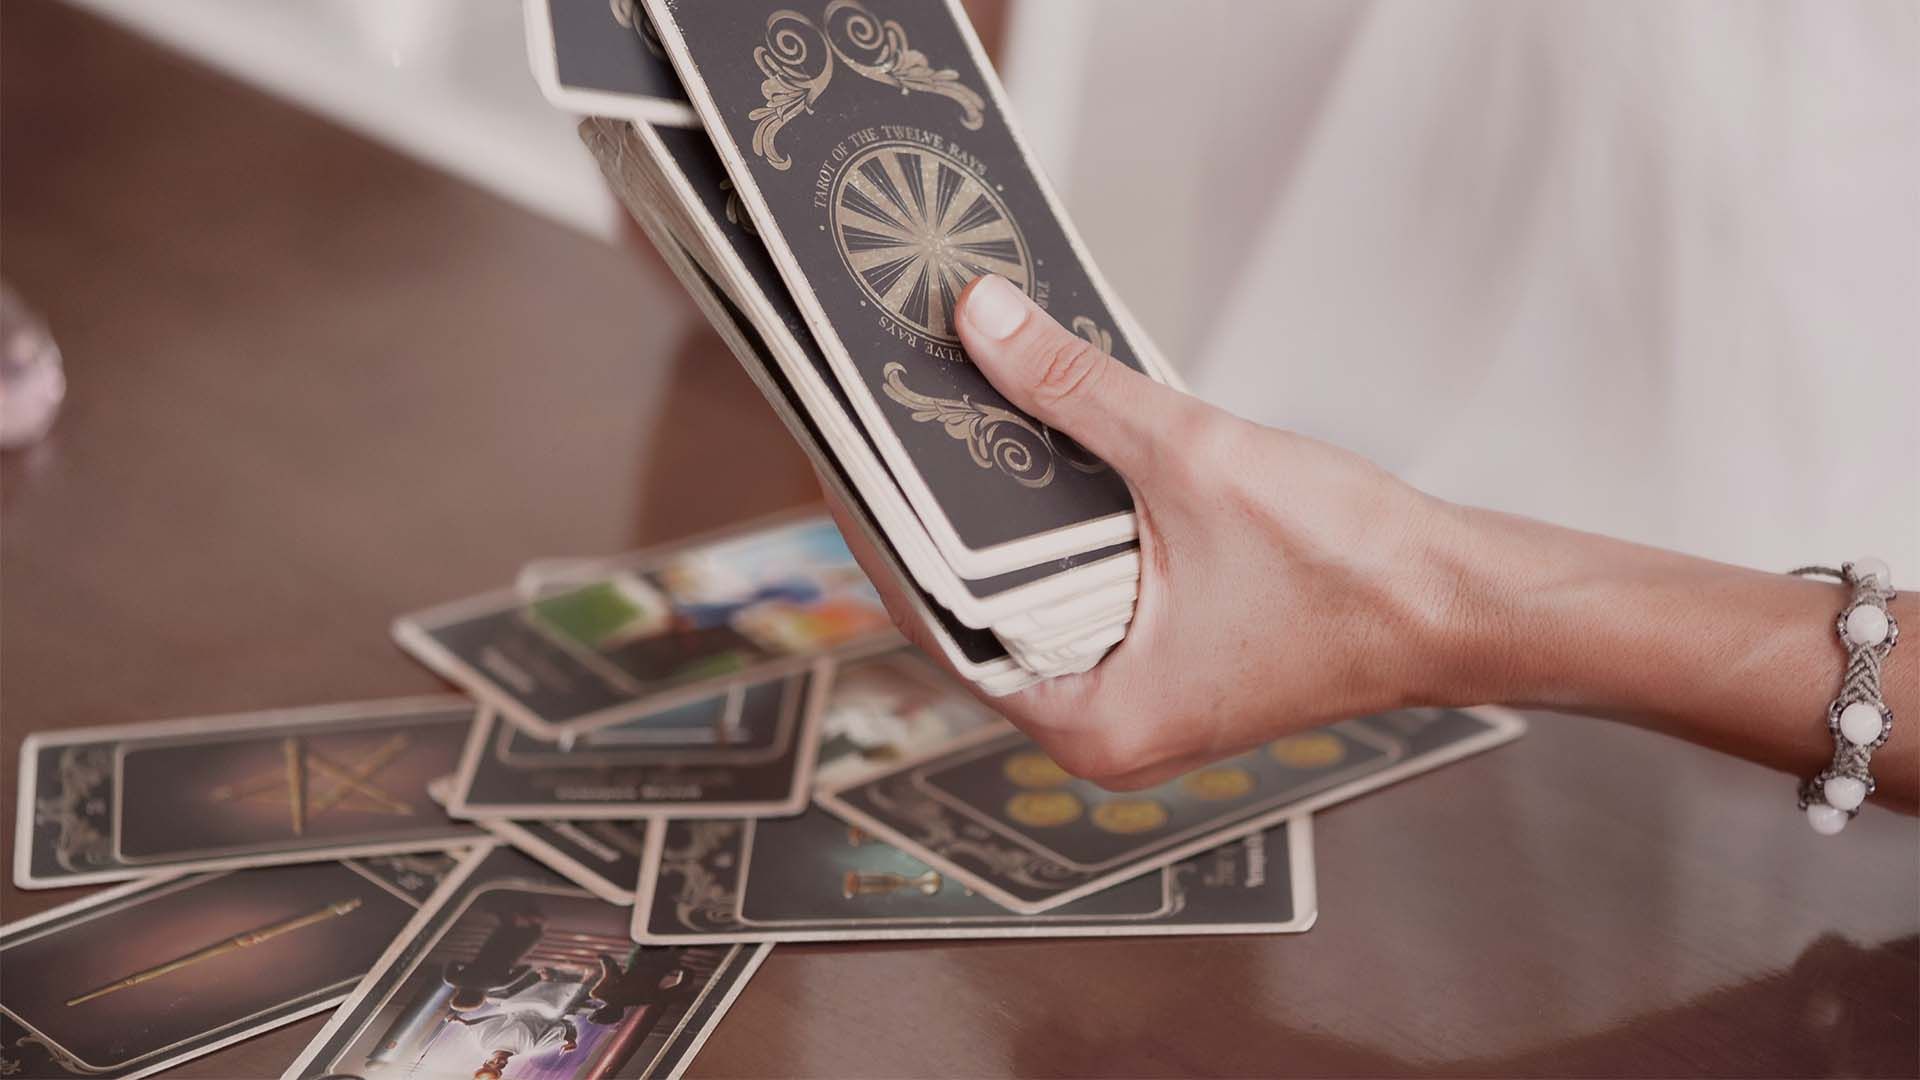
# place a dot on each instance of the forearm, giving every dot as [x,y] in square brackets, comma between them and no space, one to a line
[1739,660]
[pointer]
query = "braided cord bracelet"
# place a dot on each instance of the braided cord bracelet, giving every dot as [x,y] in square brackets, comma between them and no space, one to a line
[1859,718]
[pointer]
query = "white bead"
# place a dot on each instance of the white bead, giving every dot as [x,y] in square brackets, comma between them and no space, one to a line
[1860,723]
[1866,568]
[1825,819]
[1844,792]
[1866,625]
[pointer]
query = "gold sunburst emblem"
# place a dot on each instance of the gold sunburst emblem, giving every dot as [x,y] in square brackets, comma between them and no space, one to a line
[914,225]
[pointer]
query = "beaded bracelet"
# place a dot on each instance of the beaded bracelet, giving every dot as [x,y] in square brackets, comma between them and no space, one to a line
[1859,719]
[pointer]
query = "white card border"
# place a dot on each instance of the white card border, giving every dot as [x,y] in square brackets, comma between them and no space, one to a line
[559,862]
[806,739]
[544,62]
[1300,869]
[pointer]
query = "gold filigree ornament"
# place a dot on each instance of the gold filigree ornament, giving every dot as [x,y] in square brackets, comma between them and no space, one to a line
[708,875]
[737,215]
[1094,333]
[997,438]
[798,62]
[1069,448]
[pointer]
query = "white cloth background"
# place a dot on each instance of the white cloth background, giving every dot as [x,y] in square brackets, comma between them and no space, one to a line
[1651,269]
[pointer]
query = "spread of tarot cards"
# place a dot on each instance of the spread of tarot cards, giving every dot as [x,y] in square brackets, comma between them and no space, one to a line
[660,764]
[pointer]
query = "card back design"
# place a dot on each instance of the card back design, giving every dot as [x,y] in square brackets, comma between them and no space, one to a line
[799,58]
[783,349]
[871,146]
[976,652]
[1024,451]
[913,226]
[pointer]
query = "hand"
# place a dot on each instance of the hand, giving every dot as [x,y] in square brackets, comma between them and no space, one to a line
[1284,583]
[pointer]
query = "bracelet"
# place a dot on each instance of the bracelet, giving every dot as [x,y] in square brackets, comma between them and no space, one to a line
[1859,718]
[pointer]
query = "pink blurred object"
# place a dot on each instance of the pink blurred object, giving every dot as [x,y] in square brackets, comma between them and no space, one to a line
[32,384]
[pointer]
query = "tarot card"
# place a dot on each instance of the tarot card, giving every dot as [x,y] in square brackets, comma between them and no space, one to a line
[696,184]
[697,187]
[976,654]
[1002,818]
[537,577]
[753,757]
[511,970]
[668,626]
[1071,646]
[541,577]
[813,877]
[297,785]
[873,151]
[816,878]
[887,707]
[602,857]
[144,976]
[602,58]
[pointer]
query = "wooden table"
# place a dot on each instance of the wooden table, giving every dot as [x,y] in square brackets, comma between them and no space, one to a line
[315,385]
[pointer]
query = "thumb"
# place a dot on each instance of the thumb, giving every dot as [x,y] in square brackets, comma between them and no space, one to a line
[1062,379]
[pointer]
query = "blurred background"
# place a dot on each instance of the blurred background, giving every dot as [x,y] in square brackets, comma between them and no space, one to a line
[1644,268]
[375,337]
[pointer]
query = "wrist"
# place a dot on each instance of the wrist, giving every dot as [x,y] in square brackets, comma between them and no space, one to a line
[1547,617]
[1529,614]
[1517,612]
[1422,595]
[1457,614]
[1508,611]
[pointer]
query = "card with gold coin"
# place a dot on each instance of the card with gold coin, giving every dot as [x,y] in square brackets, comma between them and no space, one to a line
[999,816]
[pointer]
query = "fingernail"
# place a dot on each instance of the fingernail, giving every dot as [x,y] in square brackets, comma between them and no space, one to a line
[996,308]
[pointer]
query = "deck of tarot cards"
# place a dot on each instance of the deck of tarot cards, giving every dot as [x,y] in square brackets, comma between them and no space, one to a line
[825,180]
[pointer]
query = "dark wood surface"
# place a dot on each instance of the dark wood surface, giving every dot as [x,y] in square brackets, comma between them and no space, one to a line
[315,384]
